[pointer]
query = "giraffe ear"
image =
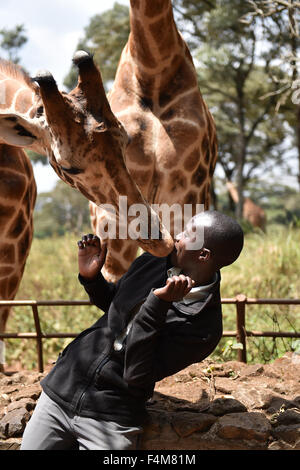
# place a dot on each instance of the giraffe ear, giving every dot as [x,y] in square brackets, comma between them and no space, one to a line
[16,131]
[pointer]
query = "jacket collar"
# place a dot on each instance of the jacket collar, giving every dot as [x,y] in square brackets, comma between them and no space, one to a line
[196,306]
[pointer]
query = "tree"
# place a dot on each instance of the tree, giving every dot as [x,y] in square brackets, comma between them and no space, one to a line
[232,77]
[280,21]
[12,41]
[105,37]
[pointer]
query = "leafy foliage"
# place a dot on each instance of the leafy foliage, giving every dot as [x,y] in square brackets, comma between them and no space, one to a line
[105,37]
[12,40]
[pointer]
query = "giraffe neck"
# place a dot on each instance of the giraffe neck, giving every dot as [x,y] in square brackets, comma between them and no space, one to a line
[232,191]
[154,40]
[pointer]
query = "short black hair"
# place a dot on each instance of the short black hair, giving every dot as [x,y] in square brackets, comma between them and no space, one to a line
[223,236]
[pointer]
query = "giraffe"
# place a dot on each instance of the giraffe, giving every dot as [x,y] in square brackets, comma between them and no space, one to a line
[152,140]
[17,200]
[173,147]
[251,211]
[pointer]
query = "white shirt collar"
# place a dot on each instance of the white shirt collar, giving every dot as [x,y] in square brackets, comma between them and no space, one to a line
[196,293]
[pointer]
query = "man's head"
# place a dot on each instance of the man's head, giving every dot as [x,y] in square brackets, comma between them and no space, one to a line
[211,240]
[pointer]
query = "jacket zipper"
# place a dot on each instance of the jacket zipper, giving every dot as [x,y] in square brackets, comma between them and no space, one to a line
[80,400]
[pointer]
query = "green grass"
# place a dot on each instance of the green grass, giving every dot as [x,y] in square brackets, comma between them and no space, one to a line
[268,267]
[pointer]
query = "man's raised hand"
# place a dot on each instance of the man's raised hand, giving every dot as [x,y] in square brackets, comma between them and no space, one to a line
[175,289]
[91,256]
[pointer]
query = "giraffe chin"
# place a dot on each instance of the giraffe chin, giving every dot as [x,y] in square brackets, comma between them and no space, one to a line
[159,248]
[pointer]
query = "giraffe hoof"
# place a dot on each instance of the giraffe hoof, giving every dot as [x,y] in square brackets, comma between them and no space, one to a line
[43,76]
[81,56]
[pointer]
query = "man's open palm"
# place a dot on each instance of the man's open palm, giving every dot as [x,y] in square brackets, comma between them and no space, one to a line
[91,256]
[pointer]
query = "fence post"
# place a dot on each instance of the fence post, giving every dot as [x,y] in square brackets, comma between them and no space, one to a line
[241,326]
[39,335]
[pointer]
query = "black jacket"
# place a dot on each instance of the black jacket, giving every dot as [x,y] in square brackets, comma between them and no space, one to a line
[90,378]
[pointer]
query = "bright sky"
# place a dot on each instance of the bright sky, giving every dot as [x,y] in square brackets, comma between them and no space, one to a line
[53,29]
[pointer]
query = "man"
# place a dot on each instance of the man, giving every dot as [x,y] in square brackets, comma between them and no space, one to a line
[161,316]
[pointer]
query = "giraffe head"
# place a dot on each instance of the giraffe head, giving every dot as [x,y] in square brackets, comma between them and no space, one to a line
[88,142]
[85,134]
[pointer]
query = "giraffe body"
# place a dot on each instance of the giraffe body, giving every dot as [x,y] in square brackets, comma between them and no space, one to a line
[251,211]
[17,200]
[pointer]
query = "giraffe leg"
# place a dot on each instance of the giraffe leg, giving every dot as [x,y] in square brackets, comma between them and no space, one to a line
[120,255]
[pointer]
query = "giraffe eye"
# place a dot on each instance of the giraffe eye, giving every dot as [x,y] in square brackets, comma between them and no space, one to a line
[72,170]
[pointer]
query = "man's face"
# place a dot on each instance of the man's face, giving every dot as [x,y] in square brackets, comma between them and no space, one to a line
[188,244]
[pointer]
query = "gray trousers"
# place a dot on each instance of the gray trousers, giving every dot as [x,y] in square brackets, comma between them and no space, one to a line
[52,428]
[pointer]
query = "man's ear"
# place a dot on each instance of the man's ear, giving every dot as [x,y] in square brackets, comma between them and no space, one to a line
[204,254]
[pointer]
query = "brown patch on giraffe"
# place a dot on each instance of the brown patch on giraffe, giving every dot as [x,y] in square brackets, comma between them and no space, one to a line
[180,133]
[10,158]
[5,214]
[163,33]
[177,181]
[6,271]
[141,178]
[17,226]
[126,84]
[183,79]
[13,185]
[114,266]
[188,107]
[154,8]
[7,253]
[190,198]
[191,160]
[200,175]
[100,196]
[135,151]
[26,164]
[205,149]
[146,85]
[135,4]
[140,48]
[23,245]
[116,245]
[13,283]
[4,316]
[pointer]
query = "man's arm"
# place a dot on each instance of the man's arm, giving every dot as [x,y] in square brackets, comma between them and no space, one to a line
[91,258]
[150,356]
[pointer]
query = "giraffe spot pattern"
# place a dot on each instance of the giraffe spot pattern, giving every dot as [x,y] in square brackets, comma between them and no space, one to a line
[17,226]
[140,48]
[177,181]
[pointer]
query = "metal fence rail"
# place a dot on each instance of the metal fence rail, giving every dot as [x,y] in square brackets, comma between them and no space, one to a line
[241,333]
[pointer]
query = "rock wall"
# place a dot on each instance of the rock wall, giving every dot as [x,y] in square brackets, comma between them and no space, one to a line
[207,406]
